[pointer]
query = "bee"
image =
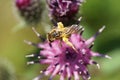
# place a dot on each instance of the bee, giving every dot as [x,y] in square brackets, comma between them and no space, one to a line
[63,33]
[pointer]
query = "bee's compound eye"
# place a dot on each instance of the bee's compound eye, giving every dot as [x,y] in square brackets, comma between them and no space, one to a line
[54,34]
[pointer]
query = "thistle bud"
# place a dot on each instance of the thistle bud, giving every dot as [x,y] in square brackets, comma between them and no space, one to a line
[30,10]
[63,10]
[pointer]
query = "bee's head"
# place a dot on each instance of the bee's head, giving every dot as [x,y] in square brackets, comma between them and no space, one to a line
[53,35]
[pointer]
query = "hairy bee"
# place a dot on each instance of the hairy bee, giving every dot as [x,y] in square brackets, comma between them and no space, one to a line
[63,33]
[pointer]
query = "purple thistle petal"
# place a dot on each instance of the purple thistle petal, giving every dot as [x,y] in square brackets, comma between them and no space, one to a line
[39,77]
[68,72]
[90,40]
[62,77]
[56,70]
[76,76]
[46,61]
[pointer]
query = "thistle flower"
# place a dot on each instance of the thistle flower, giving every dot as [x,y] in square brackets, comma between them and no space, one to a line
[30,10]
[63,10]
[64,60]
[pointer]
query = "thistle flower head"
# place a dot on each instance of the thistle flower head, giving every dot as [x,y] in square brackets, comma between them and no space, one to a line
[30,10]
[63,10]
[63,60]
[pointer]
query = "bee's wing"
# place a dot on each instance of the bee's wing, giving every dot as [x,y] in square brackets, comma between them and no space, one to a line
[73,29]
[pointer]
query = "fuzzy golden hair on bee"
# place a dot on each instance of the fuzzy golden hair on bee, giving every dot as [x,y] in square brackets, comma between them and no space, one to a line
[63,33]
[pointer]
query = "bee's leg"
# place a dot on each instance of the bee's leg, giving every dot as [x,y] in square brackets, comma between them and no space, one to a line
[69,43]
[50,44]
[60,43]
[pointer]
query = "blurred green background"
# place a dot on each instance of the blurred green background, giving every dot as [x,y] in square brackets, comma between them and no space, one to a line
[95,14]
